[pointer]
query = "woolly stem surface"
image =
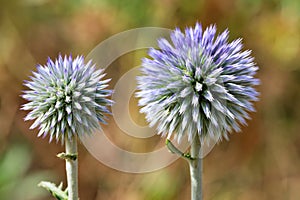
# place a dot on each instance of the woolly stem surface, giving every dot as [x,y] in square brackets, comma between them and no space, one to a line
[72,168]
[196,170]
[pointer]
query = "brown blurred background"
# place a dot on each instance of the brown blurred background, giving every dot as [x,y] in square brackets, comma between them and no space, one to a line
[262,162]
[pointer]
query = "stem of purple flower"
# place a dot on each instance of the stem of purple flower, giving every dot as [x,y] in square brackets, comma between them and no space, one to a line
[196,170]
[72,168]
[173,149]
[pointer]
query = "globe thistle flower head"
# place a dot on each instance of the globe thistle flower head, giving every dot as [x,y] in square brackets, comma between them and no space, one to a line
[199,84]
[67,97]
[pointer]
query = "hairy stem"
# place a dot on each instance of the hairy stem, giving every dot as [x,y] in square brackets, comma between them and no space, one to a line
[72,168]
[196,170]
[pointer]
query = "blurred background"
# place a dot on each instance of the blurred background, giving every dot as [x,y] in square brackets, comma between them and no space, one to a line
[262,162]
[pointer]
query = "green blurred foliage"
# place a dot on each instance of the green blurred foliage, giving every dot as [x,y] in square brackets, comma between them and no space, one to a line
[261,163]
[15,181]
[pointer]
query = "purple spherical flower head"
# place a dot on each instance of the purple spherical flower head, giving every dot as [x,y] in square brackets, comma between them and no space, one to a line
[199,84]
[67,97]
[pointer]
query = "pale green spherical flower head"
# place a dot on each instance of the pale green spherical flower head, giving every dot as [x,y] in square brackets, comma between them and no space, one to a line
[67,97]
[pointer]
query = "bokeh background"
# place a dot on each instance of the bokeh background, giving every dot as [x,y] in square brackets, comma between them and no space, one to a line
[262,162]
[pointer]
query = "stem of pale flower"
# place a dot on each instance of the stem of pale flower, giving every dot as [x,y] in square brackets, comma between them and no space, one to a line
[72,167]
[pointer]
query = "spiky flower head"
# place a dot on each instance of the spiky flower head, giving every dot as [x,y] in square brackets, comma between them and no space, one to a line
[199,84]
[67,97]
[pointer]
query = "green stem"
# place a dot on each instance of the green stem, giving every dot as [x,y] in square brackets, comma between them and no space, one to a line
[174,150]
[196,170]
[72,168]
